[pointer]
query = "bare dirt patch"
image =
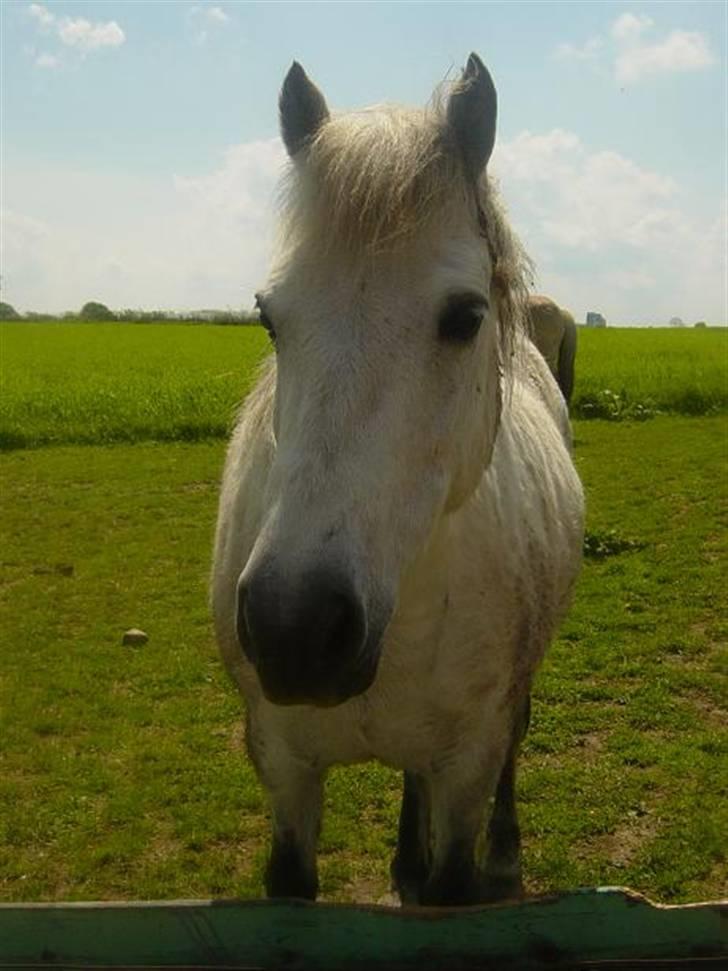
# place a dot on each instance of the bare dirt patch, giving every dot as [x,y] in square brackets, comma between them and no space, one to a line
[621,847]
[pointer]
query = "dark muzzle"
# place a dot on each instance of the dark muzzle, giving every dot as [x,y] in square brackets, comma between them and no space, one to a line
[306,638]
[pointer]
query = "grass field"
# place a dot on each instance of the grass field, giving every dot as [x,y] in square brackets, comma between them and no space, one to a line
[122,770]
[102,383]
[635,372]
[66,383]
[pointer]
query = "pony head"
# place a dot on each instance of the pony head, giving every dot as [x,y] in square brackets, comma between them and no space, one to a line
[392,303]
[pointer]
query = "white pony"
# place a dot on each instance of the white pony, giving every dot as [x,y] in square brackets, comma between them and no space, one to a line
[400,523]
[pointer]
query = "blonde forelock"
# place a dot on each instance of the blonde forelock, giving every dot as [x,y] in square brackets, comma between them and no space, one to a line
[371,180]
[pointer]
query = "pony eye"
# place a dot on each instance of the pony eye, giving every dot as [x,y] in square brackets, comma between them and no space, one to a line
[268,325]
[264,319]
[461,318]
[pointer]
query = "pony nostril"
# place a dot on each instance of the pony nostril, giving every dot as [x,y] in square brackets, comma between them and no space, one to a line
[306,639]
[340,629]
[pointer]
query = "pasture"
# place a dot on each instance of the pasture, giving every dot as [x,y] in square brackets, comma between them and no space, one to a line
[122,770]
[68,383]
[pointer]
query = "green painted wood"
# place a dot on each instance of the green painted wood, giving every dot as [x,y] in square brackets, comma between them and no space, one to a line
[584,929]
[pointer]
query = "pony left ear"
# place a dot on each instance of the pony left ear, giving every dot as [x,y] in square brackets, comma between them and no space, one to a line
[471,116]
[302,109]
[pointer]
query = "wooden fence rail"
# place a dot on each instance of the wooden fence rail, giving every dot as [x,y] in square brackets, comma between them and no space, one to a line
[590,929]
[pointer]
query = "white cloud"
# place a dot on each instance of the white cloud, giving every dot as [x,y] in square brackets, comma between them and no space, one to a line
[215,15]
[243,185]
[41,14]
[89,36]
[21,230]
[585,199]
[199,18]
[228,219]
[627,280]
[48,61]
[681,50]
[75,32]
[27,255]
[629,26]
[181,242]
[587,52]
[608,234]
[634,57]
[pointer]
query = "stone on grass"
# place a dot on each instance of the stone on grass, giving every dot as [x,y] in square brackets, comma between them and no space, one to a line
[134,637]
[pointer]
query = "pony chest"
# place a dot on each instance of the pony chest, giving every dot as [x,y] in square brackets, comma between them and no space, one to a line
[427,704]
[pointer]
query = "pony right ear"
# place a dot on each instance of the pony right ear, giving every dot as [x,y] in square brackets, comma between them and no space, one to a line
[471,116]
[302,109]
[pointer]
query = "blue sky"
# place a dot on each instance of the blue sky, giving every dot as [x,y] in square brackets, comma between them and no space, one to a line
[140,149]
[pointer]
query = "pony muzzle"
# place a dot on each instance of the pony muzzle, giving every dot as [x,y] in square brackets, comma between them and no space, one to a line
[307,640]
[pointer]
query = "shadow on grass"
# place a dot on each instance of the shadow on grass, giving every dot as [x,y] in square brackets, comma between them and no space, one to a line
[603,543]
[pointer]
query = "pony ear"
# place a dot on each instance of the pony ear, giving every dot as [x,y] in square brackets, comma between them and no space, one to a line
[302,109]
[471,116]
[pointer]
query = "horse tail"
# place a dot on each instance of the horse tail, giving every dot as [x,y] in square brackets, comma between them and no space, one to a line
[567,353]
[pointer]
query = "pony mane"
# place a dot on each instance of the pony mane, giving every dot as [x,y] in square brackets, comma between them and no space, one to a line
[372,180]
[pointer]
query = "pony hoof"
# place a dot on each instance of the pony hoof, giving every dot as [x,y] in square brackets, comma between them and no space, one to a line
[285,875]
[500,888]
[438,893]
[408,896]
[407,881]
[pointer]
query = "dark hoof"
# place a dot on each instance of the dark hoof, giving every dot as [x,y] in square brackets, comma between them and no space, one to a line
[285,875]
[408,881]
[450,892]
[498,888]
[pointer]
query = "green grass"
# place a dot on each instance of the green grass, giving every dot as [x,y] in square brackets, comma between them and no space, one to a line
[631,372]
[103,383]
[64,383]
[122,770]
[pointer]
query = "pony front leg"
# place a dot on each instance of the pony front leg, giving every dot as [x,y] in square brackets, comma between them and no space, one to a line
[411,864]
[453,879]
[458,800]
[296,807]
[295,790]
[502,877]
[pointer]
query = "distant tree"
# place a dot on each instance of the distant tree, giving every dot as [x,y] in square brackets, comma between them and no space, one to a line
[676,322]
[7,311]
[93,310]
[701,323]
